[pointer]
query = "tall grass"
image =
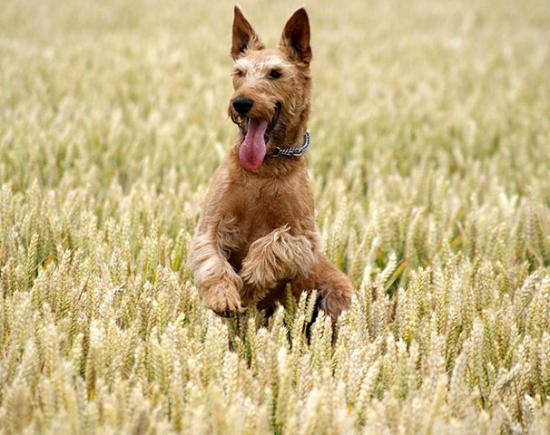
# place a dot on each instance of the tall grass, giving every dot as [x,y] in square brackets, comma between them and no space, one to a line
[430,161]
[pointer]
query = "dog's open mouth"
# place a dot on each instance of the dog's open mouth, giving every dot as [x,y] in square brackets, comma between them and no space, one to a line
[256,133]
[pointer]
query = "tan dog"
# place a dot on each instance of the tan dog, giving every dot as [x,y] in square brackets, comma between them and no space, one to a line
[257,230]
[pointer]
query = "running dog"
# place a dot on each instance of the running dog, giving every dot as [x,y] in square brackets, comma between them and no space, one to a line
[256,231]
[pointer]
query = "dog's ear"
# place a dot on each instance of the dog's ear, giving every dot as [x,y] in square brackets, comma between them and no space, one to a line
[244,35]
[295,37]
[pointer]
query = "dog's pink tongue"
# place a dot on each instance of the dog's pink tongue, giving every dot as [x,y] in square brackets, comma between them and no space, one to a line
[252,151]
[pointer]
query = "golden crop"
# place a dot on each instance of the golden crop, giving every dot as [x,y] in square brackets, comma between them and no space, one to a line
[430,160]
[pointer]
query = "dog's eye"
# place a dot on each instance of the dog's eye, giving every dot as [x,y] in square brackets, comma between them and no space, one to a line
[238,73]
[274,74]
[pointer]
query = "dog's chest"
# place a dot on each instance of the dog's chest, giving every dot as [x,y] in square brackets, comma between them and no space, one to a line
[263,206]
[266,207]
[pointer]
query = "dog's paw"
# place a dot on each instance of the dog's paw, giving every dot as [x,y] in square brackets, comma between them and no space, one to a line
[223,299]
[336,300]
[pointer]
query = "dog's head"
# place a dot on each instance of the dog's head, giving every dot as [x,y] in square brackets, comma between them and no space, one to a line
[272,88]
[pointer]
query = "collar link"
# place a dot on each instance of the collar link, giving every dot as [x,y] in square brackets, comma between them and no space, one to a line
[293,152]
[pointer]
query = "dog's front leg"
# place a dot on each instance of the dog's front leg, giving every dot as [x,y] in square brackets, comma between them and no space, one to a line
[275,257]
[217,281]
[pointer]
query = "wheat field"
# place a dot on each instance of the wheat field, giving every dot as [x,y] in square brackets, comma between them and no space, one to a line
[430,163]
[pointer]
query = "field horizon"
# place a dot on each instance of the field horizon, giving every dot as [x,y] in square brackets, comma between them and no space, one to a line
[430,165]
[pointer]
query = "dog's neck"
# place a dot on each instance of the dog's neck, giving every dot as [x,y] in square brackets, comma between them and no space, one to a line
[293,139]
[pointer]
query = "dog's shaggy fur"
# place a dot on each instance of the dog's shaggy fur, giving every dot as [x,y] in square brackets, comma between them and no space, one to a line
[256,232]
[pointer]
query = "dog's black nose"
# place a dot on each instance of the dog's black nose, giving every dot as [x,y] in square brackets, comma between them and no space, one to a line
[242,105]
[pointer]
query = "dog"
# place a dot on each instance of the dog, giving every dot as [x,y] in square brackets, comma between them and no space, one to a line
[256,232]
